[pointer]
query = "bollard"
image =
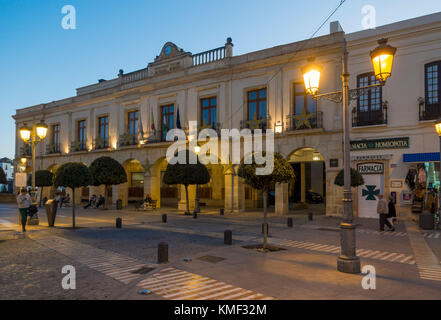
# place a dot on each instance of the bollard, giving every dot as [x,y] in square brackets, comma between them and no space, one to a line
[195,215]
[310,216]
[290,222]
[222,211]
[228,237]
[118,223]
[164,218]
[263,228]
[163,252]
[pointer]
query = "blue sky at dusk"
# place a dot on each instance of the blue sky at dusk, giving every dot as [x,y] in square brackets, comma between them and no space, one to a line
[42,62]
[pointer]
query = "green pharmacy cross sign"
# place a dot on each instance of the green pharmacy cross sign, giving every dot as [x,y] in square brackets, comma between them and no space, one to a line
[371,193]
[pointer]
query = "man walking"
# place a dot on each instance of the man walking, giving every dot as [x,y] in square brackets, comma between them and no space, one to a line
[383,211]
[24,202]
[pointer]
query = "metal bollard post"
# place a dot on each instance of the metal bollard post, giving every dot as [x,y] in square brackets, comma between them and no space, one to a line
[228,237]
[222,211]
[290,222]
[164,218]
[118,223]
[310,216]
[163,252]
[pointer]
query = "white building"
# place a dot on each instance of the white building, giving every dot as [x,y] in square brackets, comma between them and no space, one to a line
[225,91]
[8,167]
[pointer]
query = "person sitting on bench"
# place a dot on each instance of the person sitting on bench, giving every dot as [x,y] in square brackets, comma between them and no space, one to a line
[101,201]
[92,202]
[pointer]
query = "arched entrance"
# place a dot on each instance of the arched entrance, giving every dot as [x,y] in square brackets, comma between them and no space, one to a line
[133,190]
[309,186]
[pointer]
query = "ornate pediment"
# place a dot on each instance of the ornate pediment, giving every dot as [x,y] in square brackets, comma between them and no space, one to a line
[170,59]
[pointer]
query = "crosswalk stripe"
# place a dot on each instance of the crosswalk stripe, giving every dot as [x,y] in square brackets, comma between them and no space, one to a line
[192,286]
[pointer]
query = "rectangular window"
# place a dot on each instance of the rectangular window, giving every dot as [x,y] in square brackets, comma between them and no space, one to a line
[81,134]
[208,111]
[369,105]
[167,120]
[257,104]
[103,130]
[56,138]
[432,108]
[304,105]
[132,125]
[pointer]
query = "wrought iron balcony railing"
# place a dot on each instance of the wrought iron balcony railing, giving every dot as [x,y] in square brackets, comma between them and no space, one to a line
[429,111]
[52,148]
[304,121]
[370,118]
[78,146]
[260,123]
[127,139]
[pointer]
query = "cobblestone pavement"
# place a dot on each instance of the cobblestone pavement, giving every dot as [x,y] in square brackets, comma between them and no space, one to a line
[111,263]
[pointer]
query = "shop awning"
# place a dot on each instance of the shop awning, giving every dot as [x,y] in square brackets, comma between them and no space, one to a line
[421,157]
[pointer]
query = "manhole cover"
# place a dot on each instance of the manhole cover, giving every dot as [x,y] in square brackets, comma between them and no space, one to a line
[143,270]
[211,259]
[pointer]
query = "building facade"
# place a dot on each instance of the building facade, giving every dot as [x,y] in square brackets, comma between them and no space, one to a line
[127,118]
[8,167]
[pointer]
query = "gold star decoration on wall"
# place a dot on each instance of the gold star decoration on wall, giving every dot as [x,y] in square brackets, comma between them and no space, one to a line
[147,168]
[303,119]
[205,126]
[255,123]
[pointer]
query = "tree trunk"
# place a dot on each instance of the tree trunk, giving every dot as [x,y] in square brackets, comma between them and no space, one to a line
[73,208]
[265,226]
[186,196]
[106,197]
[41,197]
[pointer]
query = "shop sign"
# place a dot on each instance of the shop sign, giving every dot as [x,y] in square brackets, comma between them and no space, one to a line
[387,143]
[370,168]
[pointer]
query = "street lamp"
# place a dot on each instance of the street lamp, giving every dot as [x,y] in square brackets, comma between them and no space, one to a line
[438,130]
[33,136]
[382,60]
[197,149]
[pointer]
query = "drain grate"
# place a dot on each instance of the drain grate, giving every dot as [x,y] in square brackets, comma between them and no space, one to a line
[211,259]
[143,270]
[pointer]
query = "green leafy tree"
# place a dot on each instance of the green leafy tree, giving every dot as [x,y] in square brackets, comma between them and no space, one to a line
[282,173]
[3,179]
[108,172]
[186,174]
[43,178]
[356,178]
[73,175]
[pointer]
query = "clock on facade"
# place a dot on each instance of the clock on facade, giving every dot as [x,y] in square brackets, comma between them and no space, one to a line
[168,50]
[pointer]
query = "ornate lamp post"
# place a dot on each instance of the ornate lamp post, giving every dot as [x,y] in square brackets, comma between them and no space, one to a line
[197,149]
[438,130]
[382,60]
[33,136]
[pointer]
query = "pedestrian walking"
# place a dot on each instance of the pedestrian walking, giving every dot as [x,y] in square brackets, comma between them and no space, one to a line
[383,211]
[392,215]
[24,202]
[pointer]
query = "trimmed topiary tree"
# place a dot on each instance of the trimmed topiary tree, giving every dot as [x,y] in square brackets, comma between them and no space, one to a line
[186,174]
[73,175]
[356,178]
[282,173]
[43,178]
[3,179]
[108,172]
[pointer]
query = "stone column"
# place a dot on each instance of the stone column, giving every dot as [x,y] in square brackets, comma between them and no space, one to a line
[115,194]
[182,205]
[123,193]
[228,196]
[282,199]
[303,182]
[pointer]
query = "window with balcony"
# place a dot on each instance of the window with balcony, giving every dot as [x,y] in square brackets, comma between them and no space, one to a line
[256,109]
[81,135]
[103,133]
[208,112]
[431,109]
[167,120]
[305,115]
[132,126]
[370,108]
[54,145]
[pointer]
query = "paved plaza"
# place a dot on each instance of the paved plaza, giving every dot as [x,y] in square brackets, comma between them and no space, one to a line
[115,263]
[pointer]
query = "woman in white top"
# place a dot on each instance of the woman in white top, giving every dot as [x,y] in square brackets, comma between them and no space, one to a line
[24,202]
